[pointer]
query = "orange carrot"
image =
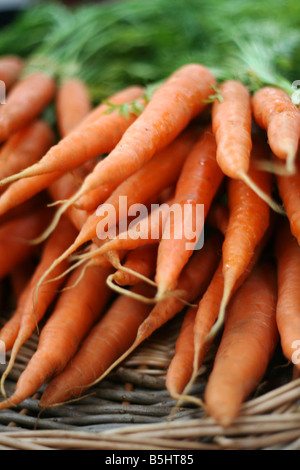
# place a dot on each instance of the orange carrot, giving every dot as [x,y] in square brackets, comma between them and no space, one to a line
[25,147]
[23,190]
[274,111]
[287,252]
[231,123]
[247,345]
[192,283]
[33,309]
[90,201]
[28,98]
[9,331]
[62,188]
[171,108]
[74,314]
[197,184]
[206,315]
[83,143]
[249,218]
[174,104]
[142,260]
[73,104]
[15,236]
[10,69]
[159,173]
[181,366]
[288,188]
[147,231]
[108,339]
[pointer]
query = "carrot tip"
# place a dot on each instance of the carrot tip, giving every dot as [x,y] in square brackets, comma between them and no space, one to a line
[290,164]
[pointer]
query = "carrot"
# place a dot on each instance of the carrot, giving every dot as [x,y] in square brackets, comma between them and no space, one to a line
[231,123]
[107,340]
[274,111]
[247,345]
[73,104]
[249,218]
[34,309]
[142,260]
[207,314]
[159,173]
[90,201]
[15,236]
[287,253]
[25,102]
[83,143]
[9,331]
[181,366]
[180,99]
[23,190]
[62,188]
[193,282]
[10,69]
[197,184]
[74,314]
[288,188]
[147,231]
[231,117]
[25,147]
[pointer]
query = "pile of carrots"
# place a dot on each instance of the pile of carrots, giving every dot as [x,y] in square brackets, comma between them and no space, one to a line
[92,298]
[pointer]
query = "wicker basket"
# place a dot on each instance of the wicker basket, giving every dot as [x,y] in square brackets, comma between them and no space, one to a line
[130,410]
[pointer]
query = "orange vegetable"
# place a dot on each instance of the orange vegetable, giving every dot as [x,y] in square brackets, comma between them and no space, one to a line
[247,345]
[274,111]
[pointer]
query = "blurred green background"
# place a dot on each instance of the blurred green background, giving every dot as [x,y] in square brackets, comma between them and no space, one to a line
[111,44]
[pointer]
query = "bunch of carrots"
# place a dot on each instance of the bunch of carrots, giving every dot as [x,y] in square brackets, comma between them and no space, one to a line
[95,298]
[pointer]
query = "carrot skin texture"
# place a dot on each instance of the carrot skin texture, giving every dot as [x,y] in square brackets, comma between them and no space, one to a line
[171,108]
[181,366]
[107,340]
[161,170]
[141,260]
[274,111]
[14,236]
[249,218]
[25,102]
[73,104]
[287,253]
[192,282]
[198,183]
[25,147]
[248,342]
[85,142]
[74,314]
[288,187]
[231,122]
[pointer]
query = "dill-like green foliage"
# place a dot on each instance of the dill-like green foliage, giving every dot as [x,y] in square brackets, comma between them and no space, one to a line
[117,43]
